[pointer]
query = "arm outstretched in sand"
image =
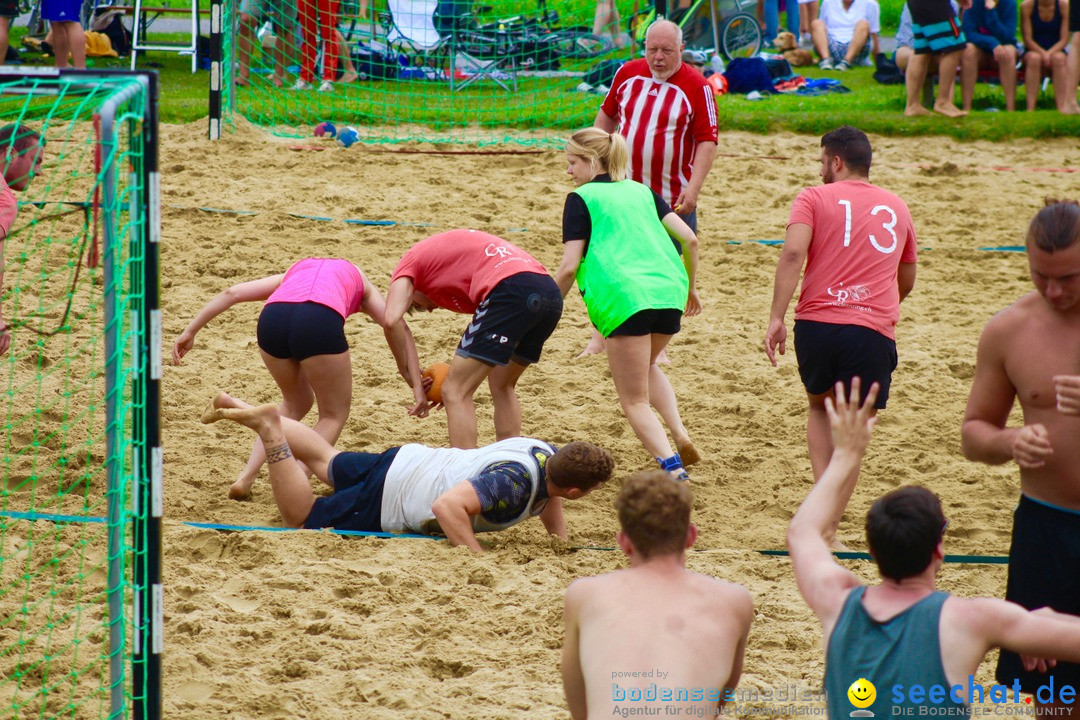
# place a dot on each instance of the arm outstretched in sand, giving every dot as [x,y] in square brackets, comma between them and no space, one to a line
[242,292]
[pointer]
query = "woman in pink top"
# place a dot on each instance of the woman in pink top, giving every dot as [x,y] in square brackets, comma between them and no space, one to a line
[301,335]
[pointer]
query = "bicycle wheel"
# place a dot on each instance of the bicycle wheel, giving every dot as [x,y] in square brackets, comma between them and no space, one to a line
[578,43]
[740,36]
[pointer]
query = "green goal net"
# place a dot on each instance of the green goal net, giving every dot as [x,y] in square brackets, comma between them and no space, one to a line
[80,498]
[425,70]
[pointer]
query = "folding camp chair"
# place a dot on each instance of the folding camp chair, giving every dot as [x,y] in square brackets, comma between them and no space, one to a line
[413,25]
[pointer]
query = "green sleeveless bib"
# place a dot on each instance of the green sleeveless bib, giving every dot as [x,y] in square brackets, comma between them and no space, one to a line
[631,263]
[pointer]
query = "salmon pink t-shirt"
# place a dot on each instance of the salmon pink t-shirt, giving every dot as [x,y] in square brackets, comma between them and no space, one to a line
[335,283]
[459,268]
[861,235]
[9,207]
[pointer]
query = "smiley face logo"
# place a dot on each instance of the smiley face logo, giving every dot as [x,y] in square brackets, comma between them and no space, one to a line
[862,693]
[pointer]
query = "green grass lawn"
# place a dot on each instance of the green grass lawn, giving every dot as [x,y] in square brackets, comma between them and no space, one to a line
[553,103]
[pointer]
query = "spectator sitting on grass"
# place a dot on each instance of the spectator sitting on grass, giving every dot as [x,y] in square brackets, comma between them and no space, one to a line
[990,29]
[905,40]
[1045,28]
[845,32]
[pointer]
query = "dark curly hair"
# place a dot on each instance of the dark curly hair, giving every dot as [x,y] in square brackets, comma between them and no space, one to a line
[580,465]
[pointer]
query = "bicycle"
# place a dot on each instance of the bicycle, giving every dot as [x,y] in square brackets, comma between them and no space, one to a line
[533,42]
[738,33]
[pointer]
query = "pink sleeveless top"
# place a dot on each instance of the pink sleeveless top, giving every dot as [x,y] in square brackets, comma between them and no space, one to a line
[337,284]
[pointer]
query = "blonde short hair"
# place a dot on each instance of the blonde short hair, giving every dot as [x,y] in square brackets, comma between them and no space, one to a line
[606,152]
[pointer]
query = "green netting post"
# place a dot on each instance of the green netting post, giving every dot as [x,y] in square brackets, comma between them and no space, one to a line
[113,395]
[150,608]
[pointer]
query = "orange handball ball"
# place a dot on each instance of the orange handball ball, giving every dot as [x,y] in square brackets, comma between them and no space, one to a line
[437,372]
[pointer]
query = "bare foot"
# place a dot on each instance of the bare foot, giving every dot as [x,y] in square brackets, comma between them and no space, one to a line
[221,400]
[915,110]
[1070,109]
[949,110]
[662,358]
[837,546]
[242,81]
[241,489]
[278,81]
[226,407]
[688,453]
[349,77]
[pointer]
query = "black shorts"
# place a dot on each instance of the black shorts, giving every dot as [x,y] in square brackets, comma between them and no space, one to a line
[1044,570]
[513,321]
[935,27]
[830,353]
[1074,17]
[9,8]
[358,479]
[297,331]
[649,322]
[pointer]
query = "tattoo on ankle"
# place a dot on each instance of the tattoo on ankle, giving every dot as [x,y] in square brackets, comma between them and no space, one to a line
[278,453]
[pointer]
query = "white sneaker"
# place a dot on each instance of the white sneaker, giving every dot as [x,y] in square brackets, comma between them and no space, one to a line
[806,41]
[326,86]
[827,64]
[300,85]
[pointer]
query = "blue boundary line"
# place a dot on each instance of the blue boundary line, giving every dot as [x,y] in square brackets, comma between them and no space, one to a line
[994,248]
[393,223]
[960,559]
[50,517]
[358,533]
[32,516]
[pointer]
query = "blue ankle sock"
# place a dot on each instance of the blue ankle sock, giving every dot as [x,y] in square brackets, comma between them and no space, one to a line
[672,463]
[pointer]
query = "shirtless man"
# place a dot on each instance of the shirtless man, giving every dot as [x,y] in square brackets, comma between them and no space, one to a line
[649,635]
[881,632]
[1031,351]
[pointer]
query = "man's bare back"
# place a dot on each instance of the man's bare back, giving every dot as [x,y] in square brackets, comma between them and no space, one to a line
[661,631]
[655,635]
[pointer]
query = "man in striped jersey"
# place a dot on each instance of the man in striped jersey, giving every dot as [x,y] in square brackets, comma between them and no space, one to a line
[667,113]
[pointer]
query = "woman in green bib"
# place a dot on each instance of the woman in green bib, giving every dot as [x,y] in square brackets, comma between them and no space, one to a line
[636,282]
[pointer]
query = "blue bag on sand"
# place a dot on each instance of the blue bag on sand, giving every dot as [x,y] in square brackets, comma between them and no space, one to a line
[745,75]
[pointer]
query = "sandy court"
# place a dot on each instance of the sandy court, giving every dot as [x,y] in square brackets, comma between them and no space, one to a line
[311,625]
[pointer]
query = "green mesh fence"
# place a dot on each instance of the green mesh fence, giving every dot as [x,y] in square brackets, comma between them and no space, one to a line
[76,408]
[439,70]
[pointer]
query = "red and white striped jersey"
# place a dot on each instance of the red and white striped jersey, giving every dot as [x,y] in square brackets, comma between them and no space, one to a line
[662,121]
